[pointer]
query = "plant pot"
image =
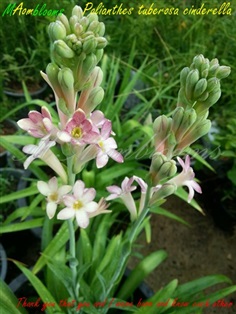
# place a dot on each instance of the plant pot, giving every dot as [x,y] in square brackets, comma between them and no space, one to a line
[35,92]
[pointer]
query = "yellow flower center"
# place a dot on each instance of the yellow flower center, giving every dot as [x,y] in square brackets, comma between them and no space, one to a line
[77,132]
[53,197]
[101,145]
[77,205]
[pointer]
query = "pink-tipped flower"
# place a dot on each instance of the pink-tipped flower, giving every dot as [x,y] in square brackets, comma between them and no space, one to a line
[106,146]
[38,124]
[186,178]
[79,205]
[78,130]
[54,194]
[125,194]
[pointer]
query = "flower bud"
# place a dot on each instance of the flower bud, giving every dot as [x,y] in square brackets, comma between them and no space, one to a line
[101,42]
[73,21]
[204,66]
[213,84]
[183,76]
[158,160]
[63,49]
[85,23]
[177,118]
[222,72]
[189,118]
[94,26]
[198,60]
[161,126]
[94,99]
[199,88]
[165,190]
[64,20]
[66,80]
[56,31]
[212,70]
[77,11]
[101,29]
[92,17]
[168,169]
[203,97]
[89,44]
[212,99]
[191,81]
[99,54]
[78,29]
[52,71]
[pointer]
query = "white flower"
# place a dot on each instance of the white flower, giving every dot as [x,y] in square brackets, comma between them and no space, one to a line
[186,177]
[53,193]
[79,205]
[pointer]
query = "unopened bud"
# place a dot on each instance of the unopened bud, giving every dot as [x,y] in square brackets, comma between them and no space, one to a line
[213,84]
[199,88]
[94,26]
[177,118]
[92,17]
[183,76]
[101,42]
[95,98]
[52,71]
[85,23]
[101,29]
[77,11]
[198,60]
[168,169]
[89,44]
[204,96]
[158,160]
[63,49]
[222,72]
[65,22]
[191,81]
[165,190]
[57,31]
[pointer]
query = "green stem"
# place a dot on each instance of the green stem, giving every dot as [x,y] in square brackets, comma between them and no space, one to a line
[72,250]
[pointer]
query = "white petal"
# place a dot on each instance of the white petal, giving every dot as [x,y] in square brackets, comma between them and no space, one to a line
[82,218]
[91,207]
[115,155]
[114,189]
[101,160]
[89,195]
[43,188]
[30,149]
[110,143]
[78,189]
[64,136]
[68,200]
[63,190]
[112,197]
[52,184]
[66,213]
[26,124]
[51,209]
[28,161]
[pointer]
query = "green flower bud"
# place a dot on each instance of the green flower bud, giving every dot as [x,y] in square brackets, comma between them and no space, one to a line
[212,70]
[183,76]
[73,21]
[191,81]
[66,79]
[101,29]
[63,49]
[166,190]
[56,31]
[204,96]
[99,54]
[158,160]
[199,88]
[168,169]
[101,42]
[189,118]
[94,26]
[212,99]
[204,66]
[222,72]
[182,99]
[52,71]
[214,62]
[198,60]
[78,29]
[84,22]
[64,20]
[204,73]
[78,47]
[162,125]
[95,98]
[199,129]
[177,118]
[89,44]
[92,17]
[77,11]
[213,84]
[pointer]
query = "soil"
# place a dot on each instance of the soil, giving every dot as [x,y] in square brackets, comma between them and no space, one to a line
[193,252]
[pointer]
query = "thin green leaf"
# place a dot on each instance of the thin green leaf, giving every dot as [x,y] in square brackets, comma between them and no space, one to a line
[32,190]
[199,158]
[166,213]
[24,225]
[141,271]
[181,193]
[8,301]
[44,294]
